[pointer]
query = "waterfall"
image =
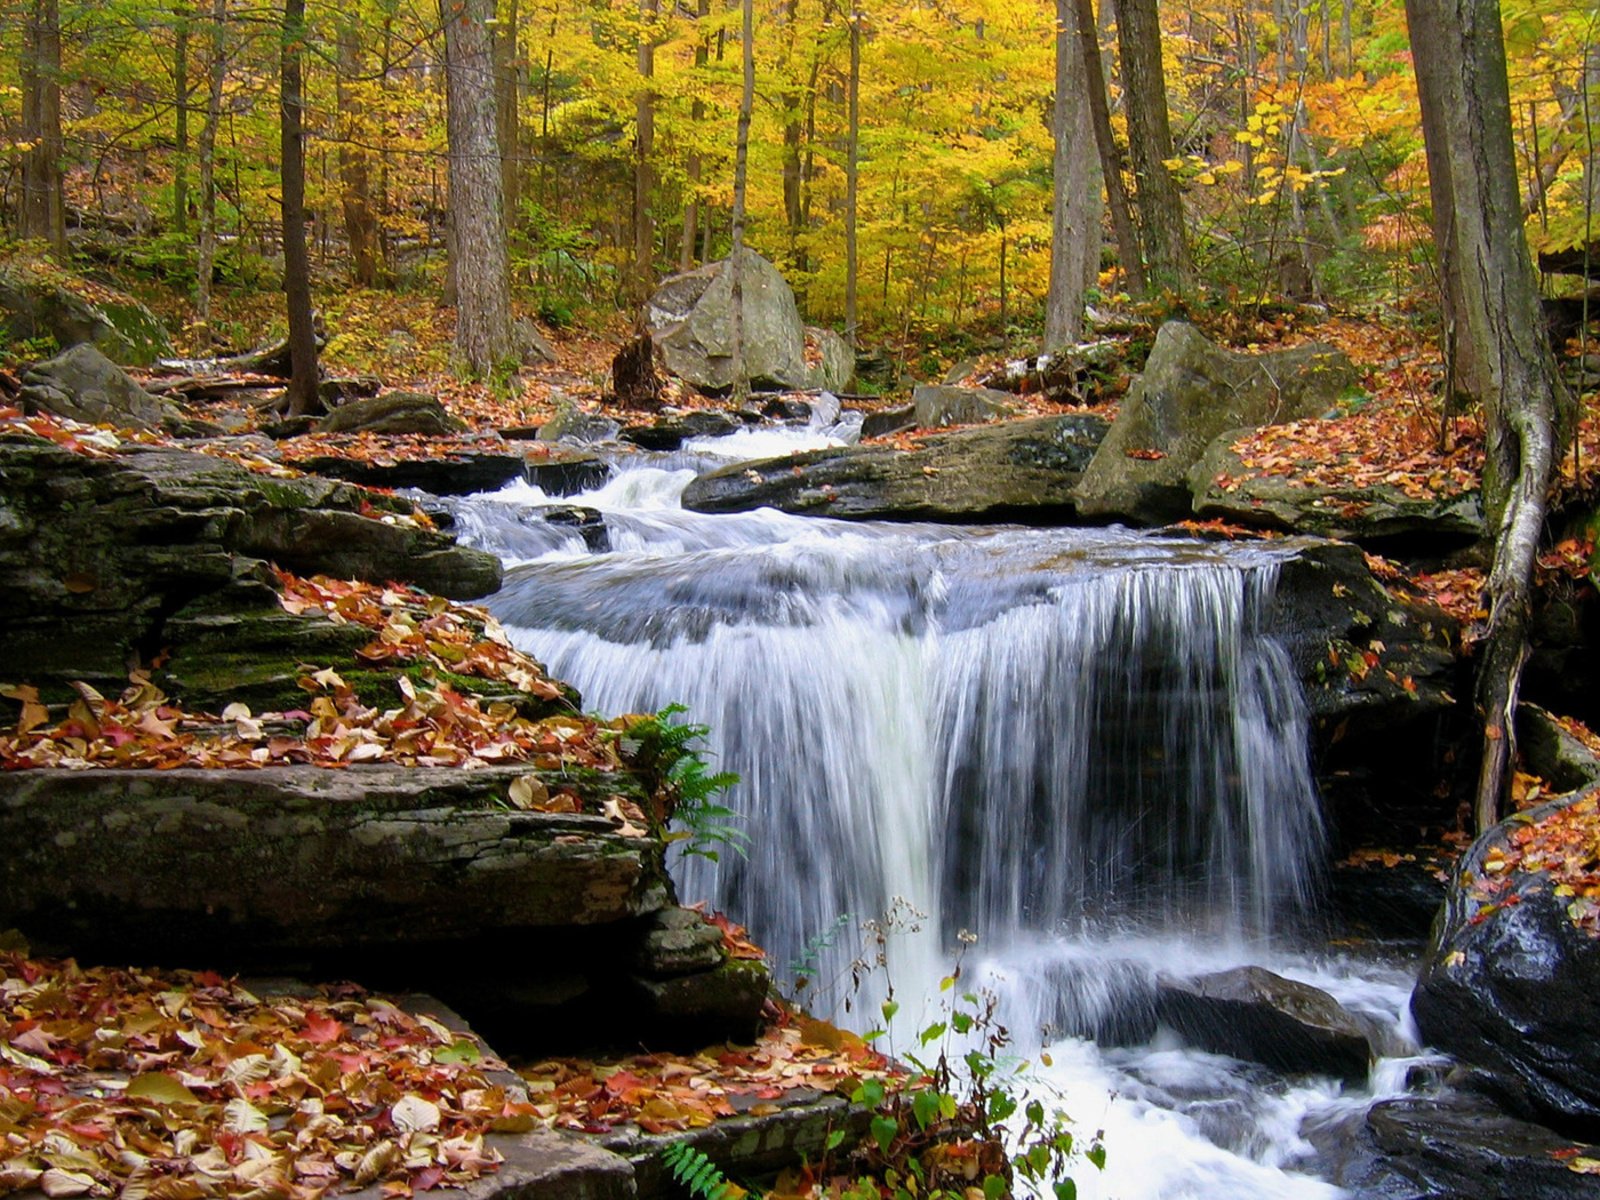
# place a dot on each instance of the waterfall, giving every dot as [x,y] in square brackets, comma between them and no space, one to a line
[1080,748]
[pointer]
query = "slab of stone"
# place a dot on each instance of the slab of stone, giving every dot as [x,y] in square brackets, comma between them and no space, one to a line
[393,413]
[937,405]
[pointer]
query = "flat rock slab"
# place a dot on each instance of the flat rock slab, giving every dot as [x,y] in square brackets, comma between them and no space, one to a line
[1019,470]
[1225,488]
[185,864]
[450,474]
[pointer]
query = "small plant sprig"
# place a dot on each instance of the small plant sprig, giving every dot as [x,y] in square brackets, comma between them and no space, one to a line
[688,786]
[702,1177]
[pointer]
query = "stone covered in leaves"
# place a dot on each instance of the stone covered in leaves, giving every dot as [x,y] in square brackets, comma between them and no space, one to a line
[1511,984]
[1190,393]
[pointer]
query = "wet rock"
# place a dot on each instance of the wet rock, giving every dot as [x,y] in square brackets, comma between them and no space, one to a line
[690,318]
[1021,470]
[567,474]
[1512,987]
[193,865]
[581,428]
[671,432]
[937,405]
[1553,754]
[723,1003]
[884,421]
[97,555]
[1190,393]
[1223,487]
[1384,901]
[588,523]
[451,473]
[786,408]
[1462,1146]
[1251,1013]
[393,412]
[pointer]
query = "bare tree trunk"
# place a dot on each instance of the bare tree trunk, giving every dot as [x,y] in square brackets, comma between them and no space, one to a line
[1472,169]
[301,395]
[43,209]
[792,130]
[485,335]
[1075,201]
[1144,88]
[355,187]
[852,179]
[644,225]
[507,112]
[695,164]
[1128,249]
[741,159]
[180,97]
[206,259]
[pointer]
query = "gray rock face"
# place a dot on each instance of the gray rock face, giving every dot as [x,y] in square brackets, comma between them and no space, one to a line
[941,404]
[1224,487]
[32,305]
[1253,1014]
[1514,989]
[678,941]
[1191,392]
[82,384]
[99,555]
[393,412]
[1018,470]
[690,318]
[836,362]
[255,864]
[575,425]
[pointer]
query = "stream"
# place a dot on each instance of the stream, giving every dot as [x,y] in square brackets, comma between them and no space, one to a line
[1068,759]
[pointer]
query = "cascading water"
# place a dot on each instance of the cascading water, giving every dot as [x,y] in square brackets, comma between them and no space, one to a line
[1078,745]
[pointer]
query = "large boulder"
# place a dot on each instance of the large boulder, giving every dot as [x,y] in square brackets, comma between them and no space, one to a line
[393,412]
[1511,982]
[1253,1014]
[37,301]
[1191,392]
[1225,486]
[830,362]
[99,556]
[939,404]
[690,319]
[1021,470]
[82,384]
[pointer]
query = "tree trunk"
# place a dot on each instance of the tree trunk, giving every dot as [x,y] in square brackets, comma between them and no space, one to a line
[852,180]
[792,130]
[644,225]
[694,166]
[741,158]
[206,258]
[485,335]
[507,113]
[43,209]
[301,395]
[180,97]
[1094,80]
[1144,87]
[1496,313]
[355,187]
[1074,209]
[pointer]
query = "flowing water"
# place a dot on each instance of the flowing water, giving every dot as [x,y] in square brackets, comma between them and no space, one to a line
[1073,757]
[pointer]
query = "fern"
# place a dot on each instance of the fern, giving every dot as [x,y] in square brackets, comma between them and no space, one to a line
[702,1177]
[671,748]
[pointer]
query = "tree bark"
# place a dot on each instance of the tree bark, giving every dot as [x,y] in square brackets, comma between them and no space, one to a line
[485,335]
[507,115]
[852,171]
[206,257]
[792,131]
[741,159]
[300,397]
[1144,87]
[355,187]
[694,166]
[1122,226]
[43,209]
[1075,225]
[1497,319]
[644,225]
[180,98]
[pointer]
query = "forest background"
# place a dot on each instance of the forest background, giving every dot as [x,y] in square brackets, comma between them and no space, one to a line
[1296,144]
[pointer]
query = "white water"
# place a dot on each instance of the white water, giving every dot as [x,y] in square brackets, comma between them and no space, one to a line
[1078,745]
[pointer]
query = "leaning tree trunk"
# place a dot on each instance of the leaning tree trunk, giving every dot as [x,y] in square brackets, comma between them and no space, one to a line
[741,174]
[1094,81]
[485,334]
[1487,271]
[300,397]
